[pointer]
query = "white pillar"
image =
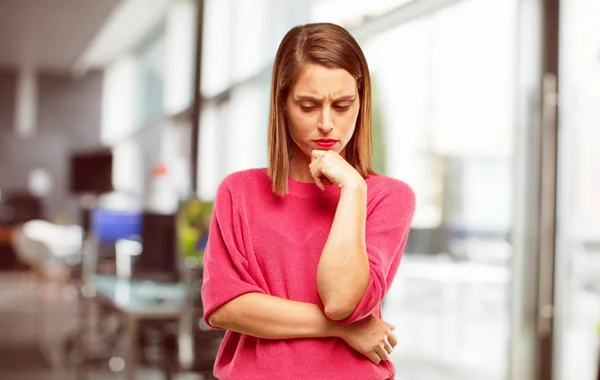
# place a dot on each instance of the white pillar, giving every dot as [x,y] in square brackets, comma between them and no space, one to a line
[26,112]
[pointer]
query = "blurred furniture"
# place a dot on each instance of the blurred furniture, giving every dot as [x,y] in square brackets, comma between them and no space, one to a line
[111,225]
[53,252]
[462,291]
[49,248]
[91,172]
[155,311]
[20,207]
[159,258]
[126,250]
[16,208]
[197,343]
[428,240]
[138,301]
[107,227]
[6,234]
[8,259]
[457,280]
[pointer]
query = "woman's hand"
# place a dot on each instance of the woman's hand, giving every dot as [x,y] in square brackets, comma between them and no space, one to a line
[328,167]
[371,337]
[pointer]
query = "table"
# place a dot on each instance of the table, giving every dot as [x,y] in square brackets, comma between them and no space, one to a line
[139,300]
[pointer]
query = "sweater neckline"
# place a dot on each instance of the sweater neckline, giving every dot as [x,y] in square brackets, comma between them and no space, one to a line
[310,189]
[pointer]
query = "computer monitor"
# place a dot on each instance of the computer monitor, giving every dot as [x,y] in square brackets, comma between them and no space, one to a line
[159,257]
[91,172]
[111,225]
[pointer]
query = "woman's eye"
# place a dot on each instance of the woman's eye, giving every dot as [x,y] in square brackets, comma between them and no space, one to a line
[341,107]
[307,108]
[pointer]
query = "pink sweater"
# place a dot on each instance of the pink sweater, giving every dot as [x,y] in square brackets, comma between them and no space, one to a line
[262,243]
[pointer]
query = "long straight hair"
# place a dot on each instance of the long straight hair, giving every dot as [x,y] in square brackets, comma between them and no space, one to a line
[331,46]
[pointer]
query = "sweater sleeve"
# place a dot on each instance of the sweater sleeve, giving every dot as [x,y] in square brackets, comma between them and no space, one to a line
[226,274]
[388,222]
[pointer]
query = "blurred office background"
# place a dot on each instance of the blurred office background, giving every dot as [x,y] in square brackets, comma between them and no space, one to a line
[119,118]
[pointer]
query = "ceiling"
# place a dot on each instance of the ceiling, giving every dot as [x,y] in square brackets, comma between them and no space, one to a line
[49,34]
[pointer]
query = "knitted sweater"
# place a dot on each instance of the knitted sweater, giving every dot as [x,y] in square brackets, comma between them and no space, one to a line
[260,242]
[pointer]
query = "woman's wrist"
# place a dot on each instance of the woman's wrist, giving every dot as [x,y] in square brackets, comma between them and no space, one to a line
[335,330]
[355,185]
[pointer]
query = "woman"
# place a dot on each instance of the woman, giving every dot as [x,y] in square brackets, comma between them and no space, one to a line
[301,255]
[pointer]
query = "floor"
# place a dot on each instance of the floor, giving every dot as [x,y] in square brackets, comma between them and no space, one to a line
[449,327]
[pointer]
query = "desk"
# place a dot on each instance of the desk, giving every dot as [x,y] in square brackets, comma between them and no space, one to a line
[139,300]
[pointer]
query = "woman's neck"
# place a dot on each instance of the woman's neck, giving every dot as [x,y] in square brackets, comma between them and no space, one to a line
[299,168]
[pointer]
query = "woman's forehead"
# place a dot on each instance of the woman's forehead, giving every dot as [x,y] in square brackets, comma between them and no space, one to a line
[318,81]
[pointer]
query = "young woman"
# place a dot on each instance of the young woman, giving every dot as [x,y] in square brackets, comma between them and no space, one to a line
[301,255]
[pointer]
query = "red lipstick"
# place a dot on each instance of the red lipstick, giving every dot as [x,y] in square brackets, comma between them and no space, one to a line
[326,143]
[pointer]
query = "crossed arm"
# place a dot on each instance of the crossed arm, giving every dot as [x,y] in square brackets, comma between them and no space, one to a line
[342,277]
[351,286]
[270,317]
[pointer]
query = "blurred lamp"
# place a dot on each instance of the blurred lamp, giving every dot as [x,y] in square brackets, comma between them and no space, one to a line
[39,182]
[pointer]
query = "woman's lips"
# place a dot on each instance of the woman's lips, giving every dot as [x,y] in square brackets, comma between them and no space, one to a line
[325,143]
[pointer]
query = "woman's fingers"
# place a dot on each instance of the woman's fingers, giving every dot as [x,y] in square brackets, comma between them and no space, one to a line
[319,183]
[316,154]
[315,169]
[392,339]
[388,347]
[381,352]
[315,172]
[374,357]
[326,180]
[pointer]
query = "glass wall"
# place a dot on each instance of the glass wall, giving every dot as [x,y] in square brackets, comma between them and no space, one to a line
[146,91]
[577,271]
[240,41]
[444,86]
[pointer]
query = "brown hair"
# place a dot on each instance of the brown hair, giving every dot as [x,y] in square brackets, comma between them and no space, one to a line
[331,46]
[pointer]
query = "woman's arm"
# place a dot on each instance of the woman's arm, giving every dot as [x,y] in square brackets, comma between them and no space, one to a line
[265,316]
[359,259]
[269,317]
[343,271]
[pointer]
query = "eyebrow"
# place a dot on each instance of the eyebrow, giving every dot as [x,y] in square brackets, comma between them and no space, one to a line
[316,99]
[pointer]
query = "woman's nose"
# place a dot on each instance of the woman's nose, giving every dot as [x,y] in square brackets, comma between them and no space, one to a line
[326,123]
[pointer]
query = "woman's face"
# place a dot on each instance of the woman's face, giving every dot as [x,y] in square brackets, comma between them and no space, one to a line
[322,108]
